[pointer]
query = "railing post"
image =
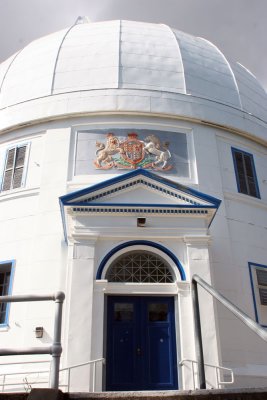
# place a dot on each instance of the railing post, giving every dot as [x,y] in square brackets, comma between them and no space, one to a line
[217,377]
[198,337]
[56,347]
[94,375]
[3,383]
[193,372]
[68,379]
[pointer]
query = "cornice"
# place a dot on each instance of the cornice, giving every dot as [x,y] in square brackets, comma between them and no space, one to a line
[197,240]
[69,116]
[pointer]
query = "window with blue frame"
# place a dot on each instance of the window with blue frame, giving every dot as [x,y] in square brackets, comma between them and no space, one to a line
[14,168]
[258,278]
[245,173]
[6,272]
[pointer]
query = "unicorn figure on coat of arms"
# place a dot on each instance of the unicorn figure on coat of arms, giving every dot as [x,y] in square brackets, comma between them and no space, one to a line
[153,146]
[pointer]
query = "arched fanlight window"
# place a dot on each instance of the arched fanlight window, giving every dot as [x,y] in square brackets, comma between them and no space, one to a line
[140,266]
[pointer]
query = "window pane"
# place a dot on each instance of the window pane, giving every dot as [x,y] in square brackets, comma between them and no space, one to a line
[7,181]
[252,187]
[239,162]
[243,184]
[263,296]
[4,283]
[261,277]
[2,312]
[123,312]
[17,178]
[248,164]
[10,158]
[14,168]
[20,157]
[245,173]
[4,286]
[157,312]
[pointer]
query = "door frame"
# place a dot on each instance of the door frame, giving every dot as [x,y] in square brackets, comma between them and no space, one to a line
[103,288]
[172,321]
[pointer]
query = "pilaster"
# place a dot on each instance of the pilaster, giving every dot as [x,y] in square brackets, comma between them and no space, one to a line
[81,305]
[198,259]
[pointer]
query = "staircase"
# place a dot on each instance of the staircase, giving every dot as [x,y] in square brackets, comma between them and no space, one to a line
[215,394]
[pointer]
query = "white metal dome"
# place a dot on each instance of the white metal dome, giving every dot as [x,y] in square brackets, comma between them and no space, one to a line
[127,66]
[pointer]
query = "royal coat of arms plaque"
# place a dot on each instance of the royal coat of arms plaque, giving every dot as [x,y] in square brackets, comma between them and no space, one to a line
[130,152]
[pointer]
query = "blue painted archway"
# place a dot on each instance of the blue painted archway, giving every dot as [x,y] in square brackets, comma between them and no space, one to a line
[141,243]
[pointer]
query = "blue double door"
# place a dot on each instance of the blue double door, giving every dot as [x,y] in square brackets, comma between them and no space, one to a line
[141,345]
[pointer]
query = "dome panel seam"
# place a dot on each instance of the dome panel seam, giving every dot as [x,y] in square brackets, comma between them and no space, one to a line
[230,69]
[57,57]
[179,52]
[8,68]
[119,83]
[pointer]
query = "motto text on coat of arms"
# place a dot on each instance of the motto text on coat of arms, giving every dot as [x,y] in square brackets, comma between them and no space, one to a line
[131,152]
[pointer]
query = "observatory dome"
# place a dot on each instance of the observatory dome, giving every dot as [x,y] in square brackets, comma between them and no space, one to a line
[133,164]
[125,66]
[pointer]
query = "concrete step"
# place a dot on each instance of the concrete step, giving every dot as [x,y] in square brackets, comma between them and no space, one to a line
[215,394]
[14,396]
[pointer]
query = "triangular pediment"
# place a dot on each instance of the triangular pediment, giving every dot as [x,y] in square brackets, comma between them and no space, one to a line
[139,187]
[138,193]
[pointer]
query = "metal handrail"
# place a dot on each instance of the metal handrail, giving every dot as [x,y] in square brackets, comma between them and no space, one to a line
[55,349]
[256,328]
[217,369]
[28,372]
[94,362]
[25,362]
[24,378]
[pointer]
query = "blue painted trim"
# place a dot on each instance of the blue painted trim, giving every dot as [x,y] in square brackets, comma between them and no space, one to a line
[139,211]
[62,212]
[253,292]
[85,204]
[139,172]
[252,266]
[234,151]
[12,271]
[141,243]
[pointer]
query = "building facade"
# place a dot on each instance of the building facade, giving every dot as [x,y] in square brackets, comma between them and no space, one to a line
[132,157]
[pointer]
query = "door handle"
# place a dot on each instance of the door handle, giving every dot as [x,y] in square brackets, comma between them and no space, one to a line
[138,351]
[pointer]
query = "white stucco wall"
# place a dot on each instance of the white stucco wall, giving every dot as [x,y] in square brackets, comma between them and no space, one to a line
[32,234]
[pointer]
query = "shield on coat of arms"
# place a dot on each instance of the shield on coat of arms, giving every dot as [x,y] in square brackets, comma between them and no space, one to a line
[132,149]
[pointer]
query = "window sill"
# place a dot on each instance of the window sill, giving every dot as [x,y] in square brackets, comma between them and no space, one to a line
[4,328]
[245,198]
[18,193]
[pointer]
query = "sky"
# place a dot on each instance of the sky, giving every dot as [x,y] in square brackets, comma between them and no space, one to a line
[237,27]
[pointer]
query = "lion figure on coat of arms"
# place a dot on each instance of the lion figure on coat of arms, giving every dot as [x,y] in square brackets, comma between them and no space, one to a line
[105,151]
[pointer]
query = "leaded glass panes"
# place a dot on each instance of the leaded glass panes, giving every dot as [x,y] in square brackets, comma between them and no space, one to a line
[139,266]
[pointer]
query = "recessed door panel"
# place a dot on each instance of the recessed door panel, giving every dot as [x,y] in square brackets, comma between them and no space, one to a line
[141,349]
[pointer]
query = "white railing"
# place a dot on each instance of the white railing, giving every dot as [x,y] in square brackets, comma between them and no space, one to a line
[26,379]
[217,370]
[93,363]
[55,348]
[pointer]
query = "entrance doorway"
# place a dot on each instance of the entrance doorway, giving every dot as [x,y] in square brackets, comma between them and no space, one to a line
[141,345]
